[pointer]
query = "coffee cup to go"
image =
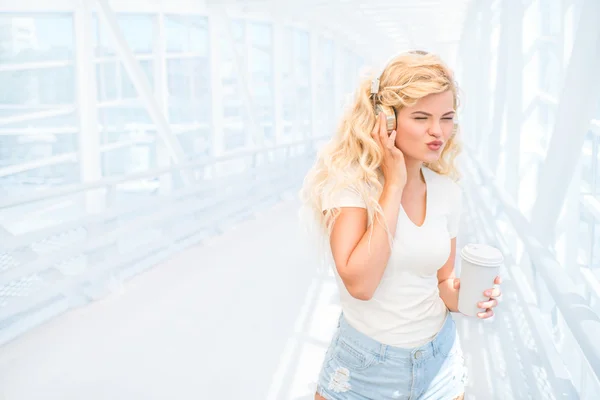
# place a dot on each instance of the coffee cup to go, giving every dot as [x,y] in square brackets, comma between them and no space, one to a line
[479,267]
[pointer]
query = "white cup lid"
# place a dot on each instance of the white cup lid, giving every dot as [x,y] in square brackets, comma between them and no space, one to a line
[482,254]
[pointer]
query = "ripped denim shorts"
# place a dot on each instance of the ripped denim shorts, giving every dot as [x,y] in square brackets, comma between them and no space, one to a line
[358,367]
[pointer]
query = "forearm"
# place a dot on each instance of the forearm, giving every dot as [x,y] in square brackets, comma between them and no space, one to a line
[448,294]
[369,259]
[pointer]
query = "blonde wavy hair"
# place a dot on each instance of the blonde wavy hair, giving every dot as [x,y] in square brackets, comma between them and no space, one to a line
[353,157]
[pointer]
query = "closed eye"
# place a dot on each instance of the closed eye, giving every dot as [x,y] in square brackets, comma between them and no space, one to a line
[447,118]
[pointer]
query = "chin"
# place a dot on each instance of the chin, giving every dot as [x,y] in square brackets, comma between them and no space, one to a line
[431,157]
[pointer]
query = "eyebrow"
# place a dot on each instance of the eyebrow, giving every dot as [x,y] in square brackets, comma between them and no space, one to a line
[429,115]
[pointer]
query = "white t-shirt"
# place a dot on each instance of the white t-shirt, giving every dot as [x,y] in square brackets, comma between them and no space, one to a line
[406,310]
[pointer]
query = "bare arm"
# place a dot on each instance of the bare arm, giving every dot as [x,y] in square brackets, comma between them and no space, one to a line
[359,263]
[361,254]
[446,280]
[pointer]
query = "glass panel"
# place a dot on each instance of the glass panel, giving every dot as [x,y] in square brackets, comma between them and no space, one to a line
[43,86]
[176,33]
[326,85]
[127,88]
[186,34]
[302,82]
[261,76]
[36,37]
[107,80]
[138,32]
[234,138]
[199,35]
[39,88]
[287,78]
[296,83]
[234,112]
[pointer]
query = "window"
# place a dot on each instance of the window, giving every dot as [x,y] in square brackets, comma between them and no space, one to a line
[37,56]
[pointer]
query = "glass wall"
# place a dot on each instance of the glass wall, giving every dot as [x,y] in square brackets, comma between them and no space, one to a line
[260,66]
[37,100]
[188,82]
[296,78]
[122,118]
[39,121]
[326,89]
[233,63]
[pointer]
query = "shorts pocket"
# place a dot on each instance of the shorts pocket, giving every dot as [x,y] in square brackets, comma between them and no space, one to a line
[352,356]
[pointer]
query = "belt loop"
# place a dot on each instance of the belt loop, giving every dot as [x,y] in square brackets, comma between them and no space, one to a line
[382,350]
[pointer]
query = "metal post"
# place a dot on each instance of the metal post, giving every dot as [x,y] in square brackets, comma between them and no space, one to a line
[90,162]
[514,92]
[161,91]
[315,77]
[467,51]
[217,132]
[278,54]
[483,93]
[495,131]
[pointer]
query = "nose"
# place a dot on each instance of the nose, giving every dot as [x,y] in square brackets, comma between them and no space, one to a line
[435,129]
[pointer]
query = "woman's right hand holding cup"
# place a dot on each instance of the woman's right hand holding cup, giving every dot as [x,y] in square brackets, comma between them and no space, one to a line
[392,166]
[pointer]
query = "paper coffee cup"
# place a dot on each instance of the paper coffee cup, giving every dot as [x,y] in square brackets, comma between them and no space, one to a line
[480,266]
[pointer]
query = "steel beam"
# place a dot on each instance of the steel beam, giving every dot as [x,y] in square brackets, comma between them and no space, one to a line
[140,82]
[575,110]
[514,92]
[216,86]
[482,76]
[278,90]
[465,67]
[90,160]
[500,90]
[161,92]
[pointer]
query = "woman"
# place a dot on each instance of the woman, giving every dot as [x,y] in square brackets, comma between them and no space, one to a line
[390,207]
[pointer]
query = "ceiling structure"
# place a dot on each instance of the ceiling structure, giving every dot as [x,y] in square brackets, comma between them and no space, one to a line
[379,28]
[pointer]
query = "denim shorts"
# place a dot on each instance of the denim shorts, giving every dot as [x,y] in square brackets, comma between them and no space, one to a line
[358,367]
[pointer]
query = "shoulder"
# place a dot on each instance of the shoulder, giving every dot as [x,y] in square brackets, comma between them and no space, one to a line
[341,192]
[335,184]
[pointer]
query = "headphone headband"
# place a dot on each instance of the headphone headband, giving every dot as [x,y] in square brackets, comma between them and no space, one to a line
[375,85]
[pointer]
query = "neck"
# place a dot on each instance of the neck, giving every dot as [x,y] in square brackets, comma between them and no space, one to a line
[413,171]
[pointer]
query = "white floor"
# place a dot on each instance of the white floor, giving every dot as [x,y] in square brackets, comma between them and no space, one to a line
[246,316]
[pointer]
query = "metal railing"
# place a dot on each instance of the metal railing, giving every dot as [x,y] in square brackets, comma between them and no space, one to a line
[48,270]
[566,326]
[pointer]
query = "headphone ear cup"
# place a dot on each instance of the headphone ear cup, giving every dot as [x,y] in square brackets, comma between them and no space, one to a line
[390,116]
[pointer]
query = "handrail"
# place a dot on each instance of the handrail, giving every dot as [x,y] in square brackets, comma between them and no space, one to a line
[58,159]
[14,201]
[79,270]
[595,126]
[581,320]
[100,241]
[96,218]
